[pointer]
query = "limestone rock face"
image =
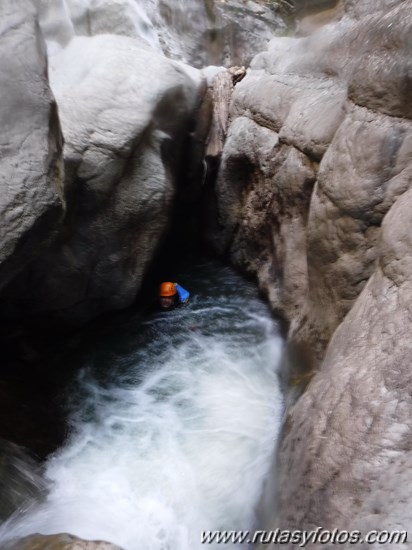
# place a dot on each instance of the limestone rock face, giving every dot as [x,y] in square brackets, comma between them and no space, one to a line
[61,20]
[197,32]
[251,204]
[312,198]
[211,32]
[302,92]
[121,17]
[366,168]
[347,451]
[124,128]
[31,167]
[379,80]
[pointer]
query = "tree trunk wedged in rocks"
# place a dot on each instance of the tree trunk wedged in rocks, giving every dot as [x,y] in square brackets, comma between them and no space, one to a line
[221,91]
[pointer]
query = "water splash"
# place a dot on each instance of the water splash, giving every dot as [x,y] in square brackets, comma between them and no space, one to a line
[174,426]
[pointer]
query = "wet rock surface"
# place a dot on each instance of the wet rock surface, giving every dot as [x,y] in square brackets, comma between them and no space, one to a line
[211,32]
[79,227]
[348,441]
[31,177]
[58,542]
[125,130]
[312,197]
[299,92]
[123,141]
[198,32]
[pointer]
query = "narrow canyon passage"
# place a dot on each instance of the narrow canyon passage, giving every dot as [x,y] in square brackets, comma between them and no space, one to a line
[174,419]
[276,135]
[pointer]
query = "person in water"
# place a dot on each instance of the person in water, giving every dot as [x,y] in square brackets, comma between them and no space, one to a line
[172,295]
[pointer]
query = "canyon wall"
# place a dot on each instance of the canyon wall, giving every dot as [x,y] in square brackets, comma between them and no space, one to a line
[197,32]
[212,32]
[84,222]
[104,213]
[31,168]
[312,199]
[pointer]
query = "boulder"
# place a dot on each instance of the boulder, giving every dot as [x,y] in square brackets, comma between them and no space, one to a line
[125,128]
[31,167]
[57,542]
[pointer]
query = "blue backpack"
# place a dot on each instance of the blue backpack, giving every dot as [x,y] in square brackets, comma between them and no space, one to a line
[183,294]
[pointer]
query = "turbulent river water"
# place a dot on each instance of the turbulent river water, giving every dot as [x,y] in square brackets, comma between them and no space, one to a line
[174,419]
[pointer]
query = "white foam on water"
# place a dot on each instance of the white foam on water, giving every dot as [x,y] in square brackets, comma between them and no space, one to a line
[179,443]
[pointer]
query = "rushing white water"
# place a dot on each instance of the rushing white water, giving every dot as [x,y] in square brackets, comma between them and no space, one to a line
[174,425]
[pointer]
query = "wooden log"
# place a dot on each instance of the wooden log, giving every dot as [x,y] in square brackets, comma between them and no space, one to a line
[222,91]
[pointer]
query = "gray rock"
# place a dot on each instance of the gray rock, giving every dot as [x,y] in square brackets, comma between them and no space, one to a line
[381,81]
[299,90]
[122,17]
[313,198]
[21,482]
[58,542]
[263,184]
[196,32]
[346,455]
[124,129]
[312,20]
[368,7]
[56,25]
[31,168]
[212,32]
[312,130]
[279,100]
[345,215]
[266,99]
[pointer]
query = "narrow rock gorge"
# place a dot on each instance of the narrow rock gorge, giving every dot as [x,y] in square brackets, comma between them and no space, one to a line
[276,135]
[312,198]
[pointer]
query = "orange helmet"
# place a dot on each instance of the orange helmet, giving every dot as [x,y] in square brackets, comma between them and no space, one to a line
[167,289]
